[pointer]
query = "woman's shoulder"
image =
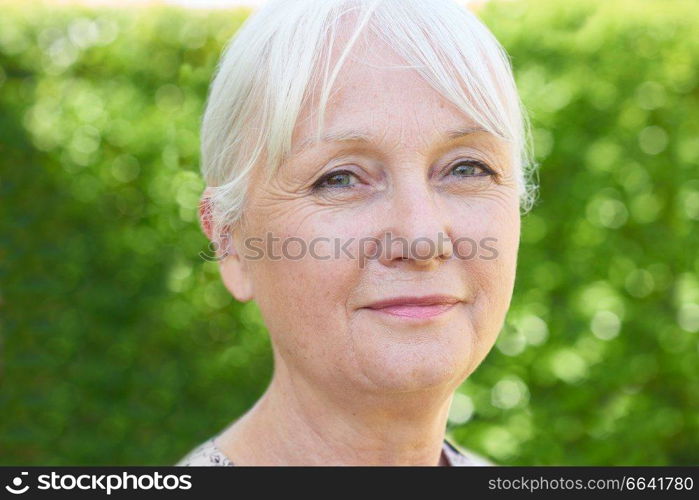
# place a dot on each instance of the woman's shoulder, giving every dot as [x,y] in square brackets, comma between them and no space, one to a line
[205,454]
[461,457]
[208,454]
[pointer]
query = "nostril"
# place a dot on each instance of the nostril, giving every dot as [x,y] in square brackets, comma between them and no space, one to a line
[446,250]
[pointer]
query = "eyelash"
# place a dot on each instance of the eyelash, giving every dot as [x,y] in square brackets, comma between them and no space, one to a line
[318,185]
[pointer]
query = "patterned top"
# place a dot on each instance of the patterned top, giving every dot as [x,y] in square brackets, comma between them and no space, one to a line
[208,454]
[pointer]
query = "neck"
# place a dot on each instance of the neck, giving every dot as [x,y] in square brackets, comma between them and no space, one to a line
[297,423]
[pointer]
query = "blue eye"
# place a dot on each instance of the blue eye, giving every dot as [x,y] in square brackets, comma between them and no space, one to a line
[471,168]
[335,179]
[341,179]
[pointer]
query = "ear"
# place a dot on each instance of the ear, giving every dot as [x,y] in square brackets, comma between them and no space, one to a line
[205,213]
[234,268]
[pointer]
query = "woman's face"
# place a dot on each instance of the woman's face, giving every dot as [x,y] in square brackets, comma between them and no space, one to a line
[400,169]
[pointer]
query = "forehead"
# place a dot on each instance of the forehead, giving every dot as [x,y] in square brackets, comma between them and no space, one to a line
[378,95]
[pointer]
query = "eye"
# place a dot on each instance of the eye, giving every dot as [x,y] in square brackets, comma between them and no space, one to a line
[471,168]
[334,180]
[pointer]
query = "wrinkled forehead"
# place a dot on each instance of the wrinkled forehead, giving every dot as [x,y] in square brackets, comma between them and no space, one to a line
[377,94]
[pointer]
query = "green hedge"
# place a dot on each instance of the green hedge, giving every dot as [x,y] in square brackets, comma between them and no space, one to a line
[121,346]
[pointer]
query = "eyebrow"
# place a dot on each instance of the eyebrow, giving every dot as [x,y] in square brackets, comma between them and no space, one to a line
[366,138]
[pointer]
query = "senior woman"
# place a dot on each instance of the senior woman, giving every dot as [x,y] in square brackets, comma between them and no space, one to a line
[367,166]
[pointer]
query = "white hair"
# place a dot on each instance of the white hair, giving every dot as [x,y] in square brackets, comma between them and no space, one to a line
[272,66]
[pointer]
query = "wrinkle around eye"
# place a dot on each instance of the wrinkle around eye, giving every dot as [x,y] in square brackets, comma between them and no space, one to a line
[493,154]
[329,157]
[346,196]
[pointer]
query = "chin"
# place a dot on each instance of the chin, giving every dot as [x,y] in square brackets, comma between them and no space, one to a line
[440,361]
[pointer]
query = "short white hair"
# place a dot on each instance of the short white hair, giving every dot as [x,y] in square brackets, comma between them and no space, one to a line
[272,66]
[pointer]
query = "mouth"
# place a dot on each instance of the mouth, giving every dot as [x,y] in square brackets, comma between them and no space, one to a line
[415,307]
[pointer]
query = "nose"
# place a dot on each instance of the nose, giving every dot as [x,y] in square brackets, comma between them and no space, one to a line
[416,230]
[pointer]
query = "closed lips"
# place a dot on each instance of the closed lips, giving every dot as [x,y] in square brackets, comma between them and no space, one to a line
[429,300]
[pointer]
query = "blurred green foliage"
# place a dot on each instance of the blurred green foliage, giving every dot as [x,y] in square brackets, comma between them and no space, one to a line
[121,346]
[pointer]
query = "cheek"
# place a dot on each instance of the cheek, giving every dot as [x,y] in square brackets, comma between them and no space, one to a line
[489,258]
[301,287]
[486,237]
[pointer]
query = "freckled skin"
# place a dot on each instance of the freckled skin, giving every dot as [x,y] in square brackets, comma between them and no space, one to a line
[323,337]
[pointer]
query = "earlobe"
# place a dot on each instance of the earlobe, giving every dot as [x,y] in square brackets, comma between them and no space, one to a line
[236,276]
[234,268]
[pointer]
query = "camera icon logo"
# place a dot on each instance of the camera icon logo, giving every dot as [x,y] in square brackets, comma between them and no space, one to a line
[17,483]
